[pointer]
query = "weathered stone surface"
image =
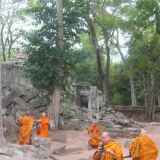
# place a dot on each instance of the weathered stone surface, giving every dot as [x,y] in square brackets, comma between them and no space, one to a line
[21,106]
[30,94]
[11,129]
[15,92]
[34,103]
[42,146]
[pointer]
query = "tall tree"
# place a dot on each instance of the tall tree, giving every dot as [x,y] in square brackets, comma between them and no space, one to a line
[130,72]
[8,30]
[50,56]
[144,44]
[55,100]
[2,140]
[102,22]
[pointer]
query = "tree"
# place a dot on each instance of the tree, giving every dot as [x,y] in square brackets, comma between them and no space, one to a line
[50,56]
[101,24]
[2,140]
[8,30]
[55,100]
[145,51]
[130,72]
[84,69]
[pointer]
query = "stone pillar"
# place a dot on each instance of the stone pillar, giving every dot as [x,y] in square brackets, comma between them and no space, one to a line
[93,98]
[97,101]
[89,101]
[2,140]
[89,107]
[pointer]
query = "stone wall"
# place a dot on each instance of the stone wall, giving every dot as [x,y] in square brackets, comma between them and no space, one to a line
[12,74]
[136,113]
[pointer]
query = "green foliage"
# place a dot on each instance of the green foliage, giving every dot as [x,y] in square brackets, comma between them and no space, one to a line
[119,85]
[85,67]
[47,65]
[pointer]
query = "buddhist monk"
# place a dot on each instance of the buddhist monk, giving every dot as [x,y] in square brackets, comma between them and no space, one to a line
[26,123]
[143,147]
[109,149]
[43,126]
[94,133]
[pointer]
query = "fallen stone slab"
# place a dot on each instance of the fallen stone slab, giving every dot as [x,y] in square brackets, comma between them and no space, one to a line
[15,92]
[30,94]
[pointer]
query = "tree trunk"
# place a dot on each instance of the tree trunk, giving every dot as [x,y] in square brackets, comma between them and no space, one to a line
[104,77]
[133,91]
[132,83]
[158,97]
[150,99]
[107,69]
[54,106]
[56,96]
[2,139]
[2,42]
[60,27]
[157,17]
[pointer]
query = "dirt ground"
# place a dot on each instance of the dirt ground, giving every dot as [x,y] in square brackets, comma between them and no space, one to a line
[76,143]
[77,147]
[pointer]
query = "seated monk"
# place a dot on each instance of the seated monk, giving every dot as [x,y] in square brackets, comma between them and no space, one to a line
[26,123]
[94,133]
[42,131]
[108,150]
[143,147]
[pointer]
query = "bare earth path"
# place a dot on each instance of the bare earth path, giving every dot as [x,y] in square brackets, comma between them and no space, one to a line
[76,143]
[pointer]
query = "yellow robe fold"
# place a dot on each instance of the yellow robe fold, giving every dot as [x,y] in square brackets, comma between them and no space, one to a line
[44,126]
[112,146]
[26,123]
[94,132]
[143,148]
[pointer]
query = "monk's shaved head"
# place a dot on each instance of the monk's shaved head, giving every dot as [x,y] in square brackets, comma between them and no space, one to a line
[44,114]
[105,137]
[104,134]
[143,132]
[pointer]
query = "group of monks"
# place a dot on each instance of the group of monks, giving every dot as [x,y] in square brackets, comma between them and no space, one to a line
[26,124]
[141,148]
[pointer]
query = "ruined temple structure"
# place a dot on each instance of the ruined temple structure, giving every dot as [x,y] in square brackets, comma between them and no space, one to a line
[88,96]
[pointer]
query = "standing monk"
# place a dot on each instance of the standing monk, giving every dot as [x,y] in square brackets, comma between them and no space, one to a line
[109,149]
[43,126]
[26,123]
[94,133]
[143,147]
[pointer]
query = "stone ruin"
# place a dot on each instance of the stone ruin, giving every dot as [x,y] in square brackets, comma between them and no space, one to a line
[88,96]
[87,104]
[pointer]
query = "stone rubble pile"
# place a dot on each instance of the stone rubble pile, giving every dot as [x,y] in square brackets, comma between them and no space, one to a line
[108,119]
[108,116]
[42,146]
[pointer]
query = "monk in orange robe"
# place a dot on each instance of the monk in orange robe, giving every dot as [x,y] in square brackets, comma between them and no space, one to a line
[94,133]
[43,126]
[108,150]
[143,147]
[26,123]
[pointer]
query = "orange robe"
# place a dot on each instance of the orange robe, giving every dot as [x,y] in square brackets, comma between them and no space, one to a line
[44,126]
[26,123]
[113,147]
[143,148]
[94,132]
